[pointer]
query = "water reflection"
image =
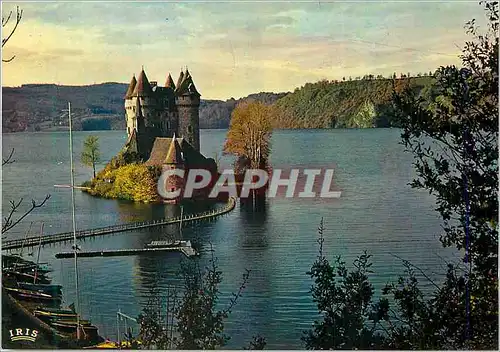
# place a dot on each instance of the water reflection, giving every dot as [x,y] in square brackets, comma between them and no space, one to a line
[253,220]
[155,270]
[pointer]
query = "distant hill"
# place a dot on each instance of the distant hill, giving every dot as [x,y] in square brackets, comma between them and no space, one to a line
[40,107]
[362,103]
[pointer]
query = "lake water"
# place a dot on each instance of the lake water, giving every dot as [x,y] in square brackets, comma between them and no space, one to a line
[377,212]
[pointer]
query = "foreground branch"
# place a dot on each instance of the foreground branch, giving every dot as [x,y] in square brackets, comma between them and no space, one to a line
[9,223]
[5,21]
[9,159]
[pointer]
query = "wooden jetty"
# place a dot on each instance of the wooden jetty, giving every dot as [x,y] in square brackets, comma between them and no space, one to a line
[68,236]
[187,251]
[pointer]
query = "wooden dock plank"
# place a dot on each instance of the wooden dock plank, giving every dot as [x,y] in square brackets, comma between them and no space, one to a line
[187,251]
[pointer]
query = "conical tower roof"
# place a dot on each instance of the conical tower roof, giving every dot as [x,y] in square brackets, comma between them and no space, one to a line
[187,86]
[174,155]
[170,82]
[181,77]
[142,88]
[131,87]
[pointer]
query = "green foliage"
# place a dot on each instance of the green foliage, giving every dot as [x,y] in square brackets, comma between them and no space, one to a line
[453,134]
[402,318]
[452,130]
[134,182]
[196,323]
[123,178]
[90,153]
[258,343]
[344,301]
[350,104]
[199,324]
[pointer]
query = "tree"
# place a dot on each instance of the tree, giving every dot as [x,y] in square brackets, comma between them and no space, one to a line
[453,135]
[249,134]
[344,302]
[5,22]
[90,154]
[193,320]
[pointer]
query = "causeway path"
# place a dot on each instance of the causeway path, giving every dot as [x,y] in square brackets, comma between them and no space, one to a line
[81,234]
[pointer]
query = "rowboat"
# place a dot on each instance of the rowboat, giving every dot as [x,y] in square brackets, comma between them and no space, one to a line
[70,327]
[44,288]
[29,268]
[25,277]
[32,295]
[67,321]
[54,312]
[9,260]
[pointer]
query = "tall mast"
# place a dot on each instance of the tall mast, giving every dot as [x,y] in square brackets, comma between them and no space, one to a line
[38,256]
[22,245]
[77,303]
[180,224]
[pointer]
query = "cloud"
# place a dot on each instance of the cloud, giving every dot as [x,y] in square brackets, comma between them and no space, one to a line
[236,48]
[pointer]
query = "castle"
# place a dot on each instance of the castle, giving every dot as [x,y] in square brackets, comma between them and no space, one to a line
[152,111]
[157,116]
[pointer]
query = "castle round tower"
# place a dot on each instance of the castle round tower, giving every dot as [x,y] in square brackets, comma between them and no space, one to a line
[129,108]
[187,101]
[174,160]
[139,92]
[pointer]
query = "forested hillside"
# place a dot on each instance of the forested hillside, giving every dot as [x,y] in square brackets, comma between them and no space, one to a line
[41,107]
[361,103]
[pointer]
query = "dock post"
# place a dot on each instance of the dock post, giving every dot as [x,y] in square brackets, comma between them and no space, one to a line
[118,337]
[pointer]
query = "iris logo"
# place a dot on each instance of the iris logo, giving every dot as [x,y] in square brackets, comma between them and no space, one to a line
[23,334]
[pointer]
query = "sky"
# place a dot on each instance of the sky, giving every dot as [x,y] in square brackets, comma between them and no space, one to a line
[235,48]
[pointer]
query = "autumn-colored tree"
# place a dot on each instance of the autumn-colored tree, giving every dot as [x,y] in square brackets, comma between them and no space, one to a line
[249,135]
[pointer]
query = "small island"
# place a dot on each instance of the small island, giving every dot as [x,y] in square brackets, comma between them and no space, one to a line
[163,134]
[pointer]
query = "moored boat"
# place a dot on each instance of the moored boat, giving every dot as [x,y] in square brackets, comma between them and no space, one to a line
[54,312]
[70,327]
[30,268]
[32,295]
[44,288]
[168,243]
[67,321]
[25,277]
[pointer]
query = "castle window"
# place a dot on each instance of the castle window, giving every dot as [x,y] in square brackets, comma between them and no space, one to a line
[190,129]
[172,189]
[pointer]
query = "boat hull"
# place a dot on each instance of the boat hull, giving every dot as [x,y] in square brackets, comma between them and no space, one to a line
[44,288]
[32,295]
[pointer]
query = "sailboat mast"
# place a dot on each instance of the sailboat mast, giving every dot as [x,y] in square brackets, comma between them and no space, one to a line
[22,245]
[180,224]
[38,256]
[77,303]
